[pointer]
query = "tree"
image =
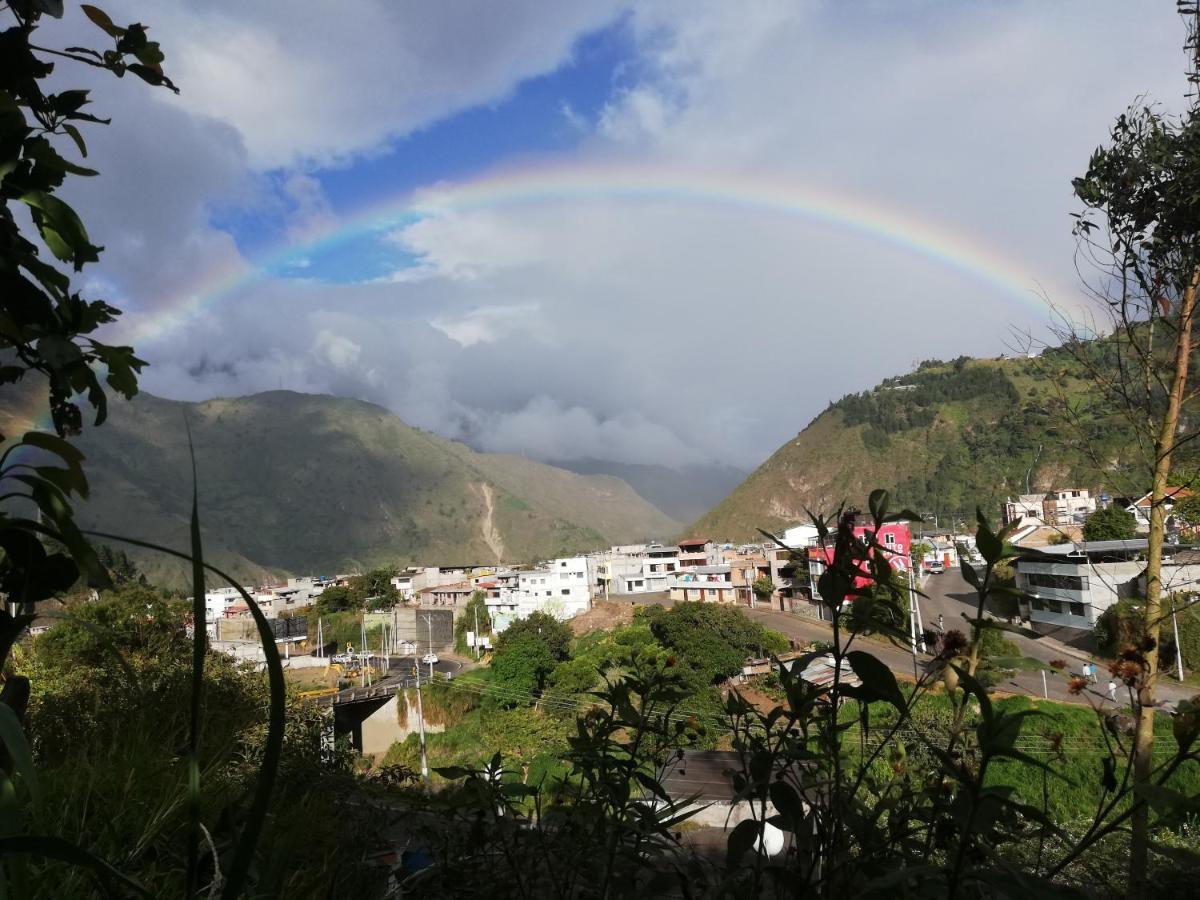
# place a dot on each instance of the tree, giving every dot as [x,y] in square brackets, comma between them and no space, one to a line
[1187,510]
[334,599]
[521,666]
[47,327]
[1140,229]
[1110,524]
[539,626]
[475,615]
[712,641]
[763,587]
[135,618]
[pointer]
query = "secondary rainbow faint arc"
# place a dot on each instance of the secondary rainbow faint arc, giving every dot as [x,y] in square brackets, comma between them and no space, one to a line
[543,185]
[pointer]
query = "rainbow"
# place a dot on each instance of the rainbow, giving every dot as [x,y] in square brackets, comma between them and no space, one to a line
[575,184]
[545,185]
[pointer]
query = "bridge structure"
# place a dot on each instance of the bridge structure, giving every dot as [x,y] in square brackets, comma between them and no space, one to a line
[368,714]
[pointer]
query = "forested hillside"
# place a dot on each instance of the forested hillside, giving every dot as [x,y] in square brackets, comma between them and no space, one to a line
[943,438]
[308,484]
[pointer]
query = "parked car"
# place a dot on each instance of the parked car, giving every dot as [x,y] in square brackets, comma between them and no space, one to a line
[430,659]
[937,567]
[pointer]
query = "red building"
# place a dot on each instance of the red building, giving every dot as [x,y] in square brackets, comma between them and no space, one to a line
[894,537]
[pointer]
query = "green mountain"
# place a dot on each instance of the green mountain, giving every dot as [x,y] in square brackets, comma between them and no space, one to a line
[942,439]
[305,484]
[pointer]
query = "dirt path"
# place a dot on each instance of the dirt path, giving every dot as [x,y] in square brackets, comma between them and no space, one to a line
[491,534]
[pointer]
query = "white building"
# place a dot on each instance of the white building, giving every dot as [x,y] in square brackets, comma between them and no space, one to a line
[798,536]
[218,600]
[710,584]
[1025,506]
[1141,507]
[1079,582]
[1070,506]
[560,588]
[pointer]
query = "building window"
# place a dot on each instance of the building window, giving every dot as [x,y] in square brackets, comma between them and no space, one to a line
[566,592]
[712,593]
[1061,582]
[889,538]
[1054,606]
[1076,609]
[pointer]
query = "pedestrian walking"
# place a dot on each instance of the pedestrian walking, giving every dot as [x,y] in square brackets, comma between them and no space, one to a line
[1112,690]
[941,623]
[1092,673]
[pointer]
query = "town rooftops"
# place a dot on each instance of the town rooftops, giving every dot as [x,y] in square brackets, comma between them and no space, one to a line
[458,587]
[703,570]
[693,542]
[1173,494]
[1079,549]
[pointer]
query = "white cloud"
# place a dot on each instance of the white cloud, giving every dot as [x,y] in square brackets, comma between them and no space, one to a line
[336,349]
[302,81]
[463,247]
[640,328]
[491,324]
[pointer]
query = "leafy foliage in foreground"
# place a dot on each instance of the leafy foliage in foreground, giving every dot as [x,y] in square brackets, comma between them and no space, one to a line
[933,789]
[106,723]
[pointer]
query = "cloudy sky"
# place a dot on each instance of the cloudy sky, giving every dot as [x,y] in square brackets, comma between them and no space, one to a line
[664,232]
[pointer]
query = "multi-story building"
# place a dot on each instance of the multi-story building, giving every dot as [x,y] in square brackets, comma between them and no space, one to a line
[710,584]
[1082,580]
[894,537]
[1025,506]
[697,552]
[746,566]
[1070,506]
[559,587]
[659,565]
[1140,508]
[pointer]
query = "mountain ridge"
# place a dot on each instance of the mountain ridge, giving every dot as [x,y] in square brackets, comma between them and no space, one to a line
[307,483]
[942,439]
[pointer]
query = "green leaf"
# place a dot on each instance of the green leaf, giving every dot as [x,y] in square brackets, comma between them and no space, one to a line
[53,8]
[969,573]
[61,228]
[877,502]
[788,802]
[74,134]
[13,736]
[989,545]
[876,676]
[741,839]
[52,443]
[100,18]
[453,773]
[652,785]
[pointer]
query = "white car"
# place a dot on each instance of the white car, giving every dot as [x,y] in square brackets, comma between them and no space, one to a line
[430,659]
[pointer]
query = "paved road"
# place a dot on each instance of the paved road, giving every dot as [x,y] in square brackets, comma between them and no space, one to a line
[951,596]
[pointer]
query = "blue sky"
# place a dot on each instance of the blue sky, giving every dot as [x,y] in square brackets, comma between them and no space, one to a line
[614,326]
[541,118]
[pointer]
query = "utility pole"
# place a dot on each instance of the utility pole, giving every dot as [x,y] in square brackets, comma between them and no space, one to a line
[421,729]
[916,605]
[477,633]
[1178,646]
[429,625]
[912,627]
